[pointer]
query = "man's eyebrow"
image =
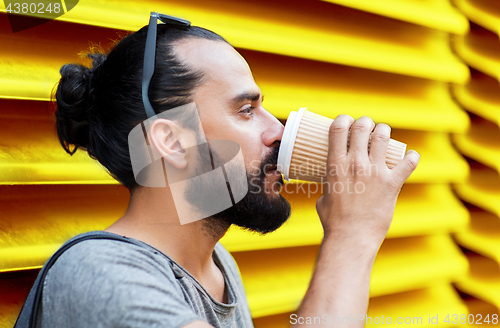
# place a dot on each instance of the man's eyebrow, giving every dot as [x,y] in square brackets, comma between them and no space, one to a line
[253,96]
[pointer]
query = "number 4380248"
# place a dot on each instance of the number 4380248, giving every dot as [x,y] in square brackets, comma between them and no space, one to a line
[472,319]
[34,8]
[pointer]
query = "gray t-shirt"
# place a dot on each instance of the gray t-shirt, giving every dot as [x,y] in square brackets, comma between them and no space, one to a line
[108,283]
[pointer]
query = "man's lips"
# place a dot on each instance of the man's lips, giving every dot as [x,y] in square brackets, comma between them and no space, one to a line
[271,168]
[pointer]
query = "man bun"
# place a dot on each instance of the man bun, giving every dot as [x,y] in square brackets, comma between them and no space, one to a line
[75,100]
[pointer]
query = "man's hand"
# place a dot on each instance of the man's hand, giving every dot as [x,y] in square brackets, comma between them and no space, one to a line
[360,190]
[356,211]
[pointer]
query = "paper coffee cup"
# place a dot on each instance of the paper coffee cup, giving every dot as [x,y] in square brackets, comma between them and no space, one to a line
[304,147]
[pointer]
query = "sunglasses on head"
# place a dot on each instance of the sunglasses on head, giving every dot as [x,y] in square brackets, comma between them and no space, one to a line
[150,54]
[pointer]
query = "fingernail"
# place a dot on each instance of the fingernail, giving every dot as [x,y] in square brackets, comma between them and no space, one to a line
[386,129]
[412,152]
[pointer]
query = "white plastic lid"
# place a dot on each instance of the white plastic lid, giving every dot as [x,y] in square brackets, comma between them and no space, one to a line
[288,141]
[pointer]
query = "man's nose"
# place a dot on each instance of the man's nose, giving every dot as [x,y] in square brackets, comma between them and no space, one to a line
[273,130]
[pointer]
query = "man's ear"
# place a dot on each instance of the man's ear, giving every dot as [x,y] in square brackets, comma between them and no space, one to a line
[165,137]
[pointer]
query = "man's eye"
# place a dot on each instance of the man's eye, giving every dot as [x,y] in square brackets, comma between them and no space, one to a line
[247,110]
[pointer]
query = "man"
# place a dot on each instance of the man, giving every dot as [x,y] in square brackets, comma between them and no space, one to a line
[181,276]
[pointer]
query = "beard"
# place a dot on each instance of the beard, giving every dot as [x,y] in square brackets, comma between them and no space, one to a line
[260,210]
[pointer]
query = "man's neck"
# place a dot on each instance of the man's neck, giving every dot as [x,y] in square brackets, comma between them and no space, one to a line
[151,217]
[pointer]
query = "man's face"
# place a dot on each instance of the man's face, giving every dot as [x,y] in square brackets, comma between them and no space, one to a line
[230,108]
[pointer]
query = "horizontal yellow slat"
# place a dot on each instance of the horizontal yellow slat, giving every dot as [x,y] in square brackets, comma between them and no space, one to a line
[431,304]
[436,14]
[481,50]
[400,101]
[276,27]
[25,257]
[420,210]
[280,280]
[442,212]
[14,288]
[483,12]
[446,264]
[31,152]
[439,161]
[483,236]
[482,310]
[31,59]
[437,301]
[30,234]
[480,96]
[281,320]
[33,64]
[48,221]
[481,143]
[482,189]
[483,280]
[288,83]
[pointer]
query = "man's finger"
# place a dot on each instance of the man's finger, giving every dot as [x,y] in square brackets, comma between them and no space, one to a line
[338,137]
[406,166]
[379,143]
[360,135]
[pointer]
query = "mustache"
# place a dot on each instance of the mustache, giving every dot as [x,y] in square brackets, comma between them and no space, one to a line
[269,162]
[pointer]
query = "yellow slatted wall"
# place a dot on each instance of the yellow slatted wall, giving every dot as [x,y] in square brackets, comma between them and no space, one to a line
[480,49]
[392,60]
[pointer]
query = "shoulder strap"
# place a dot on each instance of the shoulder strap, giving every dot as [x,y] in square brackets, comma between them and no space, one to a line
[29,313]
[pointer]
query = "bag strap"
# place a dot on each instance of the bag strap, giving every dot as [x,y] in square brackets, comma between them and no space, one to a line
[27,318]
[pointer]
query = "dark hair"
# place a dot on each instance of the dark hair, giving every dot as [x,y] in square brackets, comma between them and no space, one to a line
[98,106]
